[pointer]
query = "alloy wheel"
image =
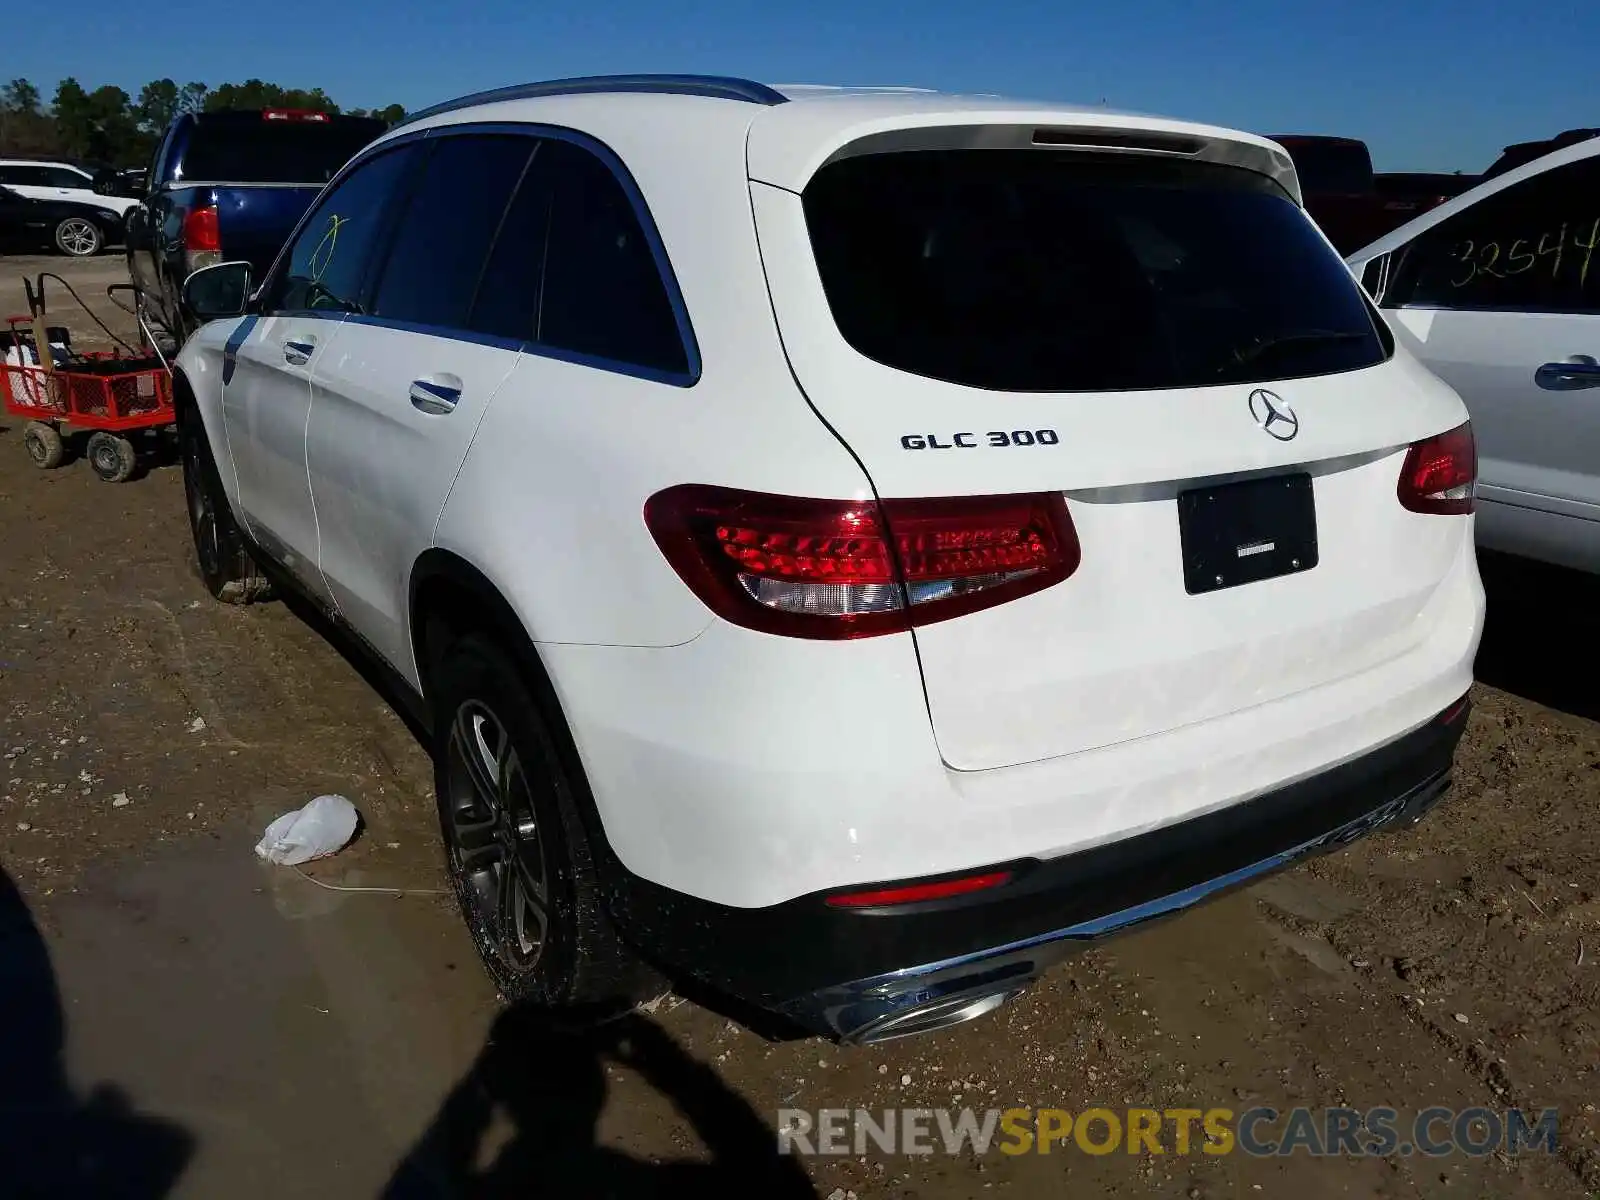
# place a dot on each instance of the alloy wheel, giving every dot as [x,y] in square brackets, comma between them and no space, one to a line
[78,236]
[202,512]
[494,843]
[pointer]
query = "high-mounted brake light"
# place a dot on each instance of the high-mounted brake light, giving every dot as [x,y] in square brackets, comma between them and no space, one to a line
[1440,474]
[292,114]
[856,568]
[202,237]
[916,893]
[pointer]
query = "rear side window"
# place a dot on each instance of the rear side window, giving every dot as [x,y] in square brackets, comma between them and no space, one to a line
[1532,246]
[328,259]
[443,239]
[249,149]
[1045,271]
[603,294]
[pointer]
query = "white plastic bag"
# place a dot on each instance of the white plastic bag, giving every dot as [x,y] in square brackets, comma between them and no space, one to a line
[27,385]
[319,829]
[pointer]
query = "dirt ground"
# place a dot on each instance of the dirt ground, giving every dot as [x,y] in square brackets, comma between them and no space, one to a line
[213,1027]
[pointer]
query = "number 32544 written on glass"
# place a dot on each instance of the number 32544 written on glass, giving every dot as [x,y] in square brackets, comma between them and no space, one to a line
[1572,246]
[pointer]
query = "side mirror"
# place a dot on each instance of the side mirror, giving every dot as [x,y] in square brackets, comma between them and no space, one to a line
[215,292]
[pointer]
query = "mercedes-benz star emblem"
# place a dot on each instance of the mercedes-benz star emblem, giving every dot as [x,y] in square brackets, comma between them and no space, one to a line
[1273,414]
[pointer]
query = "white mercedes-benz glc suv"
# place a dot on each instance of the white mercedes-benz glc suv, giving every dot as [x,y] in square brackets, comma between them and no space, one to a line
[849,546]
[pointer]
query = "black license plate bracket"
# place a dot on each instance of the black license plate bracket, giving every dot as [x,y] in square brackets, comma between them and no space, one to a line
[1244,532]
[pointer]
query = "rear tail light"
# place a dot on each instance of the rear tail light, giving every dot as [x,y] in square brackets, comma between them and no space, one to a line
[202,238]
[1440,474]
[918,893]
[856,568]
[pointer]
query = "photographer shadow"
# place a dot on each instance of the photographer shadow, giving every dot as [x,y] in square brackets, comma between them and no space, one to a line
[52,1144]
[545,1078]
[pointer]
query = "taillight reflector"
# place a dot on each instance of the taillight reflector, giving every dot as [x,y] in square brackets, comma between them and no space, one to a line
[201,232]
[1440,474]
[917,892]
[856,568]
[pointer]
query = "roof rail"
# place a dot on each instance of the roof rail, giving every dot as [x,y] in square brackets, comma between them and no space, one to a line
[717,87]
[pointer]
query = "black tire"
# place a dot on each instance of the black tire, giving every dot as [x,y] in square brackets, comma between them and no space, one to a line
[506,795]
[112,458]
[79,237]
[44,445]
[223,563]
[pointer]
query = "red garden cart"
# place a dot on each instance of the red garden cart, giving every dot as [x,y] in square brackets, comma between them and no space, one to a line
[112,397]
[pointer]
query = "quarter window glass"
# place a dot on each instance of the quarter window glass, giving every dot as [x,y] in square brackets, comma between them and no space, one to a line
[444,237]
[603,293]
[329,257]
[1534,246]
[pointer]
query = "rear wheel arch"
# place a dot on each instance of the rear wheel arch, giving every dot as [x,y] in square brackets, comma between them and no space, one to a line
[449,597]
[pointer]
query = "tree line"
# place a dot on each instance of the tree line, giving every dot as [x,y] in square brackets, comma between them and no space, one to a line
[109,126]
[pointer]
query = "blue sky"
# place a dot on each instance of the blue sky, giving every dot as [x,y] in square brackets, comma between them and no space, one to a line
[1429,84]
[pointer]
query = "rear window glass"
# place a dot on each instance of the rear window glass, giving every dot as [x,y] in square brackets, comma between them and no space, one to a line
[262,151]
[1034,270]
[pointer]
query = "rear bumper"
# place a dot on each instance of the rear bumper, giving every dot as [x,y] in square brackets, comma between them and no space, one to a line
[866,974]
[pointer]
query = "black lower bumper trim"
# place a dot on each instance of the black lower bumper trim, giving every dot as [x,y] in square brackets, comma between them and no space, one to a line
[808,960]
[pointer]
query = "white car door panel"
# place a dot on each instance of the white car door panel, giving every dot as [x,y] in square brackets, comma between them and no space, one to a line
[395,413]
[270,394]
[1498,293]
[400,395]
[1538,425]
[265,403]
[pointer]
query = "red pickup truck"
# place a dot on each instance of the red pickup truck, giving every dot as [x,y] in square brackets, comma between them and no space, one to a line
[1336,181]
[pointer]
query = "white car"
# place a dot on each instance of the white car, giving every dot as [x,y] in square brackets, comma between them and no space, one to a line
[43,179]
[849,546]
[1498,292]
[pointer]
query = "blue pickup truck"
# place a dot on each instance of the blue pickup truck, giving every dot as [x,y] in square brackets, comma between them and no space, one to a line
[230,186]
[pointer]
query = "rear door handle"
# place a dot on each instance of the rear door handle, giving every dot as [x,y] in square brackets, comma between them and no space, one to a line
[297,352]
[1579,371]
[436,396]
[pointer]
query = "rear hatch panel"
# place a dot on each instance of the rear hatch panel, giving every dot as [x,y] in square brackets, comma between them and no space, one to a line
[1122,649]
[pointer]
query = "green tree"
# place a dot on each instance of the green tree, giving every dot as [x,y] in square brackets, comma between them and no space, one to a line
[157,105]
[74,116]
[24,126]
[192,97]
[21,97]
[255,94]
[101,125]
[393,114]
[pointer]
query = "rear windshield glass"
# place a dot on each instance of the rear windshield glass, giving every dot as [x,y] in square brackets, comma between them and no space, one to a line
[1033,270]
[263,151]
[1344,168]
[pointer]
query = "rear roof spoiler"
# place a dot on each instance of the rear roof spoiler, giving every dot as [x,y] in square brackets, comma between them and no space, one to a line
[1264,160]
